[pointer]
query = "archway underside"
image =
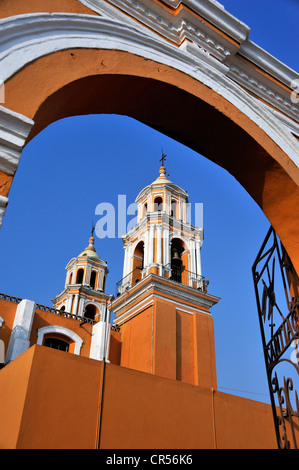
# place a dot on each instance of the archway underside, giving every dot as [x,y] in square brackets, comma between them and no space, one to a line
[84,81]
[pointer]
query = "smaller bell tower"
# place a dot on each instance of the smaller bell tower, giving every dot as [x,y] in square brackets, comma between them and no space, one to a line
[163,308]
[84,291]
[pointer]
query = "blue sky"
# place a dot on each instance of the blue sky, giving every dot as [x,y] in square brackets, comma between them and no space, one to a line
[49,215]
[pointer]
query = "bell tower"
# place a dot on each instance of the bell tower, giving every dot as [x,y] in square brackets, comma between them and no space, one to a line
[163,242]
[162,307]
[84,291]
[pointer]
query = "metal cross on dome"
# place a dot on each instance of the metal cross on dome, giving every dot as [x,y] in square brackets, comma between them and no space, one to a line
[92,229]
[163,158]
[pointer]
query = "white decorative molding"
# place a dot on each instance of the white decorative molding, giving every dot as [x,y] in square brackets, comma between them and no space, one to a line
[269,94]
[14,129]
[41,332]
[194,36]
[168,288]
[213,11]
[3,205]
[25,38]
[100,341]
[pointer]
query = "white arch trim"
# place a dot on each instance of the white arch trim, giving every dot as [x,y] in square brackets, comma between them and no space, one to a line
[29,37]
[62,331]
[134,245]
[185,240]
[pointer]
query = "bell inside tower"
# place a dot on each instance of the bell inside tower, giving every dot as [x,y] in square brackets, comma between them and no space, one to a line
[177,265]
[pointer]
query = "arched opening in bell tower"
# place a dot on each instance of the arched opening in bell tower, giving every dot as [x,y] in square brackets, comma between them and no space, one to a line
[158,204]
[80,276]
[138,262]
[179,261]
[173,209]
[90,311]
[93,278]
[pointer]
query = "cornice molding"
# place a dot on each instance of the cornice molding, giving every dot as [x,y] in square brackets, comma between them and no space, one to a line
[197,38]
[168,288]
[175,225]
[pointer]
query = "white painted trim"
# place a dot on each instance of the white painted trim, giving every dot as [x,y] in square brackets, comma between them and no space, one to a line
[14,130]
[100,341]
[171,289]
[63,331]
[184,239]
[136,309]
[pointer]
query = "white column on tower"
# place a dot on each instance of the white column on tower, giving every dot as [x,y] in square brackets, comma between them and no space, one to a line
[198,258]
[193,256]
[166,247]
[159,244]
[75,309]
[151,244]
[127,264]
[146,249]
[100,282]
[69,304]
[130,262]
[125,261]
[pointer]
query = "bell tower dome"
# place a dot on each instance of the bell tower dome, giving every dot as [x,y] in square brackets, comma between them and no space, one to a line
[84,291]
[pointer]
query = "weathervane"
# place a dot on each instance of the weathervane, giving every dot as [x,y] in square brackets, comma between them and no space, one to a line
[163,158]
[92,228]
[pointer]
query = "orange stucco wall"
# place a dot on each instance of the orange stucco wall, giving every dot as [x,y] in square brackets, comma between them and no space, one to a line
[52,399]
[156,413]
[136,334]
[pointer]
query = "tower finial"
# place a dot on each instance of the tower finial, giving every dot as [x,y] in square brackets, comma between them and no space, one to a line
[91,239]
[163,158]
[92,228]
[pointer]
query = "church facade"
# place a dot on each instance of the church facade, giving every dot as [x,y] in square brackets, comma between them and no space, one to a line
[145,380]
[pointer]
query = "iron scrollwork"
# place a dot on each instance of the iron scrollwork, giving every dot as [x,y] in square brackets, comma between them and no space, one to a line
[278,311]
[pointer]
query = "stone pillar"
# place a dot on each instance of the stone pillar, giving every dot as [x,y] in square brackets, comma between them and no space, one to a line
[81,307]
[100,341]
[19,338]
[151,245]
[198,260]
[76,301]
[68,308]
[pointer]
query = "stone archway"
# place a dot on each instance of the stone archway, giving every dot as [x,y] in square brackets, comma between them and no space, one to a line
[88,64]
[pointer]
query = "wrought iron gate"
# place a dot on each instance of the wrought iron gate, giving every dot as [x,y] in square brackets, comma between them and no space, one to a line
[276,289]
